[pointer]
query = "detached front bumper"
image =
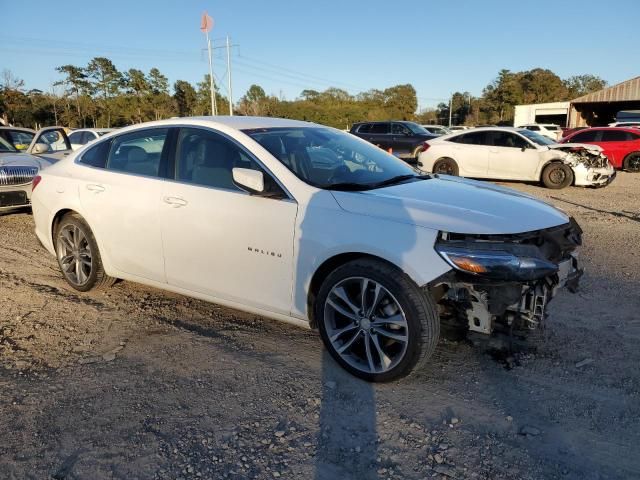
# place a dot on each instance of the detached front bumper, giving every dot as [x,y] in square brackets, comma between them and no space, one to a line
[593,177]
[511,298]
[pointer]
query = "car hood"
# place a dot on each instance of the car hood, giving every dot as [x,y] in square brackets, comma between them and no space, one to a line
[456,205]
[569,145]
[25,160]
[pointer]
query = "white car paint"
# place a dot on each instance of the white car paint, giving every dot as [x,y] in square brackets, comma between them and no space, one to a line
[259,254]
[549,130]
[510,163]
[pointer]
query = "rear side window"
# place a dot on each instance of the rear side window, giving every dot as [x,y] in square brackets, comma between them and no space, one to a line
[379,128]
[586,136]
[139,152]
[616,136]
[474,138]
[365,128]
[96,156]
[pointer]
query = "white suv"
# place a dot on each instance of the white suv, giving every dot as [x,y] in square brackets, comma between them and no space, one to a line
[549,130]
[308,225]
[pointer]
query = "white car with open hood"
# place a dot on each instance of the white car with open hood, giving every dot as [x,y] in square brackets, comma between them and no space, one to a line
[309,225]
[505,153]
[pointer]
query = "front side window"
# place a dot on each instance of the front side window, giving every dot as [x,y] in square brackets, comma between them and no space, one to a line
[56,140]
[138,152]
[207,158]
[6,146]
[506,139]
[326,158]
[76,138]
[616,136]
[88,137]
[399,129]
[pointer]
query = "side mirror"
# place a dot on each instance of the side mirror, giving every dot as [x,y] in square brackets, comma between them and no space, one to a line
[524,147]
[251,180]
[40,148]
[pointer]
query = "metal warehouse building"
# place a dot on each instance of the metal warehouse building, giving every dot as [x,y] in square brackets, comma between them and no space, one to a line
[600,108]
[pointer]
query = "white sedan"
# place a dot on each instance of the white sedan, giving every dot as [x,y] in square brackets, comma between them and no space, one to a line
[82,136]
[504,153]
[308,225]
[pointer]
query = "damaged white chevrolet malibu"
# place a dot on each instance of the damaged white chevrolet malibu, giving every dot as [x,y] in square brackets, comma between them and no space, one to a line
[504,153]
[309,225]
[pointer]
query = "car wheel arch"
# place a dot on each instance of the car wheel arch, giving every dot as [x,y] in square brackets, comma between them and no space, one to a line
[56,221]
[328,266]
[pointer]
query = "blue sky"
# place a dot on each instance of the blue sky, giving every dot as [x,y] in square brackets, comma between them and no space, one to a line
[286,46]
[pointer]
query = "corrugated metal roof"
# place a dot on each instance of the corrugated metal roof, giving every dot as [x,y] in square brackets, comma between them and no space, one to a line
[625,91]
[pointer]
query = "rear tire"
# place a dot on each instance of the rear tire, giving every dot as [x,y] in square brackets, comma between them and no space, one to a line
[78,255]
[446,166]
[632,162]
[381,335]
[557,175]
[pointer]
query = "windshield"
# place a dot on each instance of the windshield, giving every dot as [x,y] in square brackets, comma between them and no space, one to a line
[331,159]
[415,128]
[6,146]
[20,140]
[536,137]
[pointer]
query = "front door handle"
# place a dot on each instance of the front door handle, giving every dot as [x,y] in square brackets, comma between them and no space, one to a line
[92,187]
[175,202]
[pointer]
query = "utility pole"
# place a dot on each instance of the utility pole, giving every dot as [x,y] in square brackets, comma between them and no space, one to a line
[450,108]
[229,77]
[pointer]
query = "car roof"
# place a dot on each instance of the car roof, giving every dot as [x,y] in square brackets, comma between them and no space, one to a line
[93,130]
[623,129]
[391,121]
[19,129]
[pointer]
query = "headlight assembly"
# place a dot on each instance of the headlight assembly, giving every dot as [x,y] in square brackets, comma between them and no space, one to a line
[495,261]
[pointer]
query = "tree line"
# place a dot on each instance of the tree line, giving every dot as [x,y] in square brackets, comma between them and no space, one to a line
[99,95]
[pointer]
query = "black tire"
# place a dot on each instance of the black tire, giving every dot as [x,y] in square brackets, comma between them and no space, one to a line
[557,175]
[632,162]
[92,275]
[418,309]
[446,166]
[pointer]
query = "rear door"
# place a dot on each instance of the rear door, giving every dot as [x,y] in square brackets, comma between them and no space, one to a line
[511,156]
[121,197]
[471,153]
[380,135]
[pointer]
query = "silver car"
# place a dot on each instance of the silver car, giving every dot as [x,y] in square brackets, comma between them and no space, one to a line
[19,167]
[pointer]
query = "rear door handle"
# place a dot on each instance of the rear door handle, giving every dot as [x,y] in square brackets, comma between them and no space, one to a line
[92,187]
[175,202]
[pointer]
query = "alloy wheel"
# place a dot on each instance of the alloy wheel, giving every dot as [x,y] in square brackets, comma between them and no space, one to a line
[74,254]
[366,325]
[633,163]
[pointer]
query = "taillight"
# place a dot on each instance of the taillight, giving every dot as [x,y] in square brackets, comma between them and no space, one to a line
[425,147]
[35,182]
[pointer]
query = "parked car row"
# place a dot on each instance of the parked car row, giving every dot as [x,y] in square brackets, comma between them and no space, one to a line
[312,226]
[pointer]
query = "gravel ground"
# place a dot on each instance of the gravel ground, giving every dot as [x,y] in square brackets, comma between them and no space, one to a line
[139,383]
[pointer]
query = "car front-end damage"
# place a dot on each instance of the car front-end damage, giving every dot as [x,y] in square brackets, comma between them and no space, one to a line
[591,168]
[503,283]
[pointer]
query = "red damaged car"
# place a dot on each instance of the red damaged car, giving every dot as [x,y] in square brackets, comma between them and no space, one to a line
[620,145]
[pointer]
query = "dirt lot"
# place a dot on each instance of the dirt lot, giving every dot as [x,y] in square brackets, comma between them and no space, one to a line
[138,383]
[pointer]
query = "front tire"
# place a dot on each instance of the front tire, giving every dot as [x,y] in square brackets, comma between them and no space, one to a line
[78,255]
[557,175]
[375,321]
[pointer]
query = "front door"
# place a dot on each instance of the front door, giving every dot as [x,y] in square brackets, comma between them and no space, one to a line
[218,239]
[511,157]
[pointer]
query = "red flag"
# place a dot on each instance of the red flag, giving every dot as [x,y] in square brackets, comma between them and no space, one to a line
[206,24]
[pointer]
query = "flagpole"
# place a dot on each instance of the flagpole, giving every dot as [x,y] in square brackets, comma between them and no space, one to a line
[211,88]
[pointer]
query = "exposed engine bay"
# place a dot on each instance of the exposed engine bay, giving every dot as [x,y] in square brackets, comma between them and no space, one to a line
[590,156]
[504,282]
